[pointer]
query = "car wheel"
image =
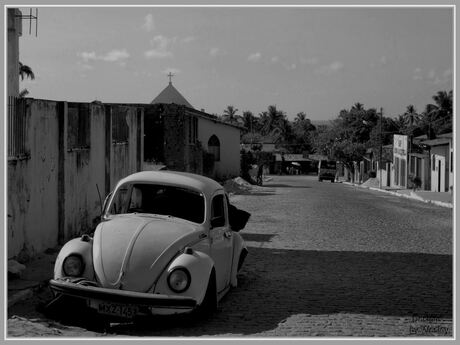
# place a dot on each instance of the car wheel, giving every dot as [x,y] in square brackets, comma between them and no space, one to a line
[209,304]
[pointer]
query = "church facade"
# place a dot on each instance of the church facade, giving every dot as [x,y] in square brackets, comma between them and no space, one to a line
[182,138]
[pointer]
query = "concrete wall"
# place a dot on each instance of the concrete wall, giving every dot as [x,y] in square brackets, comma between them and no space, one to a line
[229,137]
[83,169]
[125,156]
[53,192]
[14,31]
[33,183]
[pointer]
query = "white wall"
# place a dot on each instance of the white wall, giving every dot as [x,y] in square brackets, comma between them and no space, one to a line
[229,137]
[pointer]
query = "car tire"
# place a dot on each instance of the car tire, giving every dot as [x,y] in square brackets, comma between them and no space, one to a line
[209,304]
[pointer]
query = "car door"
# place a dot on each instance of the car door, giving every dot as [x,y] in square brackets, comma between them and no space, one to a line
[221,241]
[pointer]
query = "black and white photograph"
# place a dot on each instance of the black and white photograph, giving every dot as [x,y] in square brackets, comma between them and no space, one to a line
[229,172]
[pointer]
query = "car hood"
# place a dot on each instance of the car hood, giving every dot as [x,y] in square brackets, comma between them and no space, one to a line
[130,251]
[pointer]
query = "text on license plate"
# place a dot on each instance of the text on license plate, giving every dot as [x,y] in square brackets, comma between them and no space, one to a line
[123,310]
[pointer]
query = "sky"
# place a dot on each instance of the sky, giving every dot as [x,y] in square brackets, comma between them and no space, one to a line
[301,59]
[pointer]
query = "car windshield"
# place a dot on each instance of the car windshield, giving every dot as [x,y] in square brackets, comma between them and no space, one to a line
[158,199]
[328,165]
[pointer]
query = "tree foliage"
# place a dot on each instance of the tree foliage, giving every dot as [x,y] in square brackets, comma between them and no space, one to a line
[347,137]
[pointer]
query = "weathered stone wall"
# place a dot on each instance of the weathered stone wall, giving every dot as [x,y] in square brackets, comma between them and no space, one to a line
[175,139]
[53,190]
[32,208]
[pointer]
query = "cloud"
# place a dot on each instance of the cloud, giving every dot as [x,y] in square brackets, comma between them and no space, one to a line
[331,68]
[447,73]
[85,66]
[309,61]
[188,39]
[149,23]
[115,55]
[254,57]
[290,67]
[417,75]
[161,47]
[86,56]
[215,52]
[432,76]
[383,60]
[274,59]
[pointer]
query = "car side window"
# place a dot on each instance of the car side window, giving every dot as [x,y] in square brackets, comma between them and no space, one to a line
[218,211]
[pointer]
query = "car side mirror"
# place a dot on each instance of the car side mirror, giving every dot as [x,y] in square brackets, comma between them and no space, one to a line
[217,221]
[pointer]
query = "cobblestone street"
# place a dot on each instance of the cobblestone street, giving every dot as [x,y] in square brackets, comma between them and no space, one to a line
[324,260]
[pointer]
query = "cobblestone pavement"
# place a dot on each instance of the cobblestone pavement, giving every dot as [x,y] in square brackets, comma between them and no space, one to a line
[325,260]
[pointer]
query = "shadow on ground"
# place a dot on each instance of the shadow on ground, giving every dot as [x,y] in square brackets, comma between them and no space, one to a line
[276,284]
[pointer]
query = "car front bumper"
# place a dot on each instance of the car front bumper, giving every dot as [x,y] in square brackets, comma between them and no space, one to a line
[153,303]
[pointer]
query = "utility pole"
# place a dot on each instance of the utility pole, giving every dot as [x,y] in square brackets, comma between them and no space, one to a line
[381,149]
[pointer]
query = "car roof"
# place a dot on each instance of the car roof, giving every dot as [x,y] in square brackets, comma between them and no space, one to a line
[187,180]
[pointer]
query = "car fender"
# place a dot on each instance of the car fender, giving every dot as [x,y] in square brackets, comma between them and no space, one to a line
[199,266]
[81,246]
[238,247]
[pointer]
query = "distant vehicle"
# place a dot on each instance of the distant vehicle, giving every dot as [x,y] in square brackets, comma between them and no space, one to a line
[168,244]
[327,170]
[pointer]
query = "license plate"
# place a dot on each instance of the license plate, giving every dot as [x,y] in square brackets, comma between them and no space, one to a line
[114,309]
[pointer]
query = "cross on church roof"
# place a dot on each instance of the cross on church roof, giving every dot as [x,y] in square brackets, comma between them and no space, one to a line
[170,75]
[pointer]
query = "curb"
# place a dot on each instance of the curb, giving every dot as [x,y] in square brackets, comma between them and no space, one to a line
[412,195]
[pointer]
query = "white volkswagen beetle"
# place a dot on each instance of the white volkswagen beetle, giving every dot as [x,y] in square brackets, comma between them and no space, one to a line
[168,243]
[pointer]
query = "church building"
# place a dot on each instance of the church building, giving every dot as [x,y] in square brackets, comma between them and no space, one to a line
[185,139]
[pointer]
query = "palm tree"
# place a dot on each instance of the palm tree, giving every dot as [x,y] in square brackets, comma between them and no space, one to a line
[263,123]
[248,120]
[25,71]
[300,118]
[358,106]
[275,118]
[411,119]
[444,102]
[230,112]
[438,116]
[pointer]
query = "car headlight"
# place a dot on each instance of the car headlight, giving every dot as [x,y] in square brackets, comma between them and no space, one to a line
[179,279]
[73,265]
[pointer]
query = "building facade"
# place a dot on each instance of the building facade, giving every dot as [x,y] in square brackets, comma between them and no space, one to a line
[441,162]
[400,160]
[186,139]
